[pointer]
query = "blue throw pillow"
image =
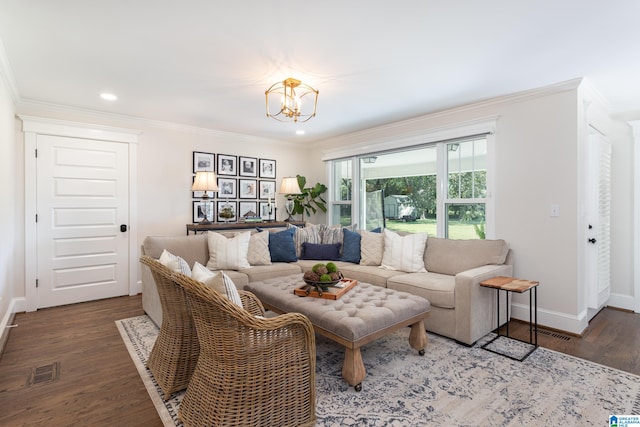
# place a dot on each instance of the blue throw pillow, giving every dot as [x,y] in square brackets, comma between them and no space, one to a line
[351,248]
[327,251]
[281,246]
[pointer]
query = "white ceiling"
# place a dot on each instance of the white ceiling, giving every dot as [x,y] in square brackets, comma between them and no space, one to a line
[207,63]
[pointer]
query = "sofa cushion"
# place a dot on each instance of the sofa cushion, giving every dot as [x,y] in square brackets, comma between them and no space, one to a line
[191,248]
[174,263]
[328,252]
[258,253]
[437,288]
[351,246]
[371,247]
[368,273]
[310,233]
[443,255]
[218,281]
[404,253]
[228,253]
[282,247]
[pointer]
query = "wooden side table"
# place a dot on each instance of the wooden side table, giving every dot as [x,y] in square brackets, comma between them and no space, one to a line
[511,284]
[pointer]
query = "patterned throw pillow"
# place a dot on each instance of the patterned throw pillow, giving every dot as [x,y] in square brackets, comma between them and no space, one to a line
[174,262]
[404,253]
[371,247]
[258,253]
[218,281]
[228,253]
[311,233]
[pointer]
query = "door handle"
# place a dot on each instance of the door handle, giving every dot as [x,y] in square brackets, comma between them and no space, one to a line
[123,228]
[592,240]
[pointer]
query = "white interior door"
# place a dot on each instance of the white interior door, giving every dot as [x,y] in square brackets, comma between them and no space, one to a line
[598,233]
[82,202]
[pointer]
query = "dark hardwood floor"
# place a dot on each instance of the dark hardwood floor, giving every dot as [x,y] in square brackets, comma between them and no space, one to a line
[98,385]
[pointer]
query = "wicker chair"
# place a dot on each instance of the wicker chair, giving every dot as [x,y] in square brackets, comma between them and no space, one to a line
[176,350]
[252,371]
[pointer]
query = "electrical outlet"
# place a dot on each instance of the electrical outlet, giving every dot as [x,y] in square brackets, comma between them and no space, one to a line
[555,211]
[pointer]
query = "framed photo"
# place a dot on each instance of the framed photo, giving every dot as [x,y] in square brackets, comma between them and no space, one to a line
[202,209]
[227,211]
[203,162]
[248,189]
[248,209]
[248,166]
[267,168]
[267,189]
[227,165]
[227,188]
[266,211]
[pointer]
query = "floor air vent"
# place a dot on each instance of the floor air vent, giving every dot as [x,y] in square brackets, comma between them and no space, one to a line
[44,374]
[554,335]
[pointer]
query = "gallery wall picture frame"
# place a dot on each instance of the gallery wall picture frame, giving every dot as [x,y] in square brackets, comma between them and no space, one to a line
[267,211]
[267,168]
[225,206]
[247,209]
[248,189]
[248,166]
[200,208]
[227,188]
[227,165]
[203,162]
[267,189]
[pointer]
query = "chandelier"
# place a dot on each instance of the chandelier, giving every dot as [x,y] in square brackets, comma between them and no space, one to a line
[286,105]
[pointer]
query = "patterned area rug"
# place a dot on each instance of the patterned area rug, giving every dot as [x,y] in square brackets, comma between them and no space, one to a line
[450,385]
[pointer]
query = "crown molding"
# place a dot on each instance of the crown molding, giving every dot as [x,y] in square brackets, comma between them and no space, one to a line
[399,129]
[133,121]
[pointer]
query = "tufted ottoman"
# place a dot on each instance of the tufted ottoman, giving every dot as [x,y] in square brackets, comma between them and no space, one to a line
[360,316]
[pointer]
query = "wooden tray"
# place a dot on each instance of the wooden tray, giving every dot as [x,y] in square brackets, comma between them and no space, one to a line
[332,293]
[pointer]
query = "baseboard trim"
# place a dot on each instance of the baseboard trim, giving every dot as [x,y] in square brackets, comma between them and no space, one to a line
[552,319]
[625,302]
[16,305]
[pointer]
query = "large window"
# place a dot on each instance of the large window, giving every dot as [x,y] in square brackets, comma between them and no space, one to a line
[340,206]
[439,188]
[467,189]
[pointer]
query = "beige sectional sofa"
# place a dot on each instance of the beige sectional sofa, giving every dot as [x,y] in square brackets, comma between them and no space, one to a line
[460,308]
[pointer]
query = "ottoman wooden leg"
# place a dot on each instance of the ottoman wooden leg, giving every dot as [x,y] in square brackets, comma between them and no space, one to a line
[353,370]
[418,337]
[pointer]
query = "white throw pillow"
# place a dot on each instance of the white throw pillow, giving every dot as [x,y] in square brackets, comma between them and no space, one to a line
[371,247]
[218,281]
[174,262]
[404,253]
[258,253]
[228,253]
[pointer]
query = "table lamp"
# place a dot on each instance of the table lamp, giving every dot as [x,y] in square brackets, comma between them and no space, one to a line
[205,182]
[288,188]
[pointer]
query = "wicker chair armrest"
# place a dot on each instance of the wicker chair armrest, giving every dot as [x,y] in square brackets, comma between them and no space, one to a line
[251,303]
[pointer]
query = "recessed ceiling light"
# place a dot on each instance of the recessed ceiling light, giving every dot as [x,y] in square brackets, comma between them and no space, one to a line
[108,96]
[300,132]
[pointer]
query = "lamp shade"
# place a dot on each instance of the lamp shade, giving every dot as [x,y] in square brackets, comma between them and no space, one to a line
[205,181]
[290,185]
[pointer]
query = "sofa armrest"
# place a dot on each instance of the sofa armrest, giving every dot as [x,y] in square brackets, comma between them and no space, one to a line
[475,309]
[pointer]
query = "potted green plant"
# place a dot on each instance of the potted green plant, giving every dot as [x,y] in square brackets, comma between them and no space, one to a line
[310,200]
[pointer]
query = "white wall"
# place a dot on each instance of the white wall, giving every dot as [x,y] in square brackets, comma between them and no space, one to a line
[536,165]
[11,259]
